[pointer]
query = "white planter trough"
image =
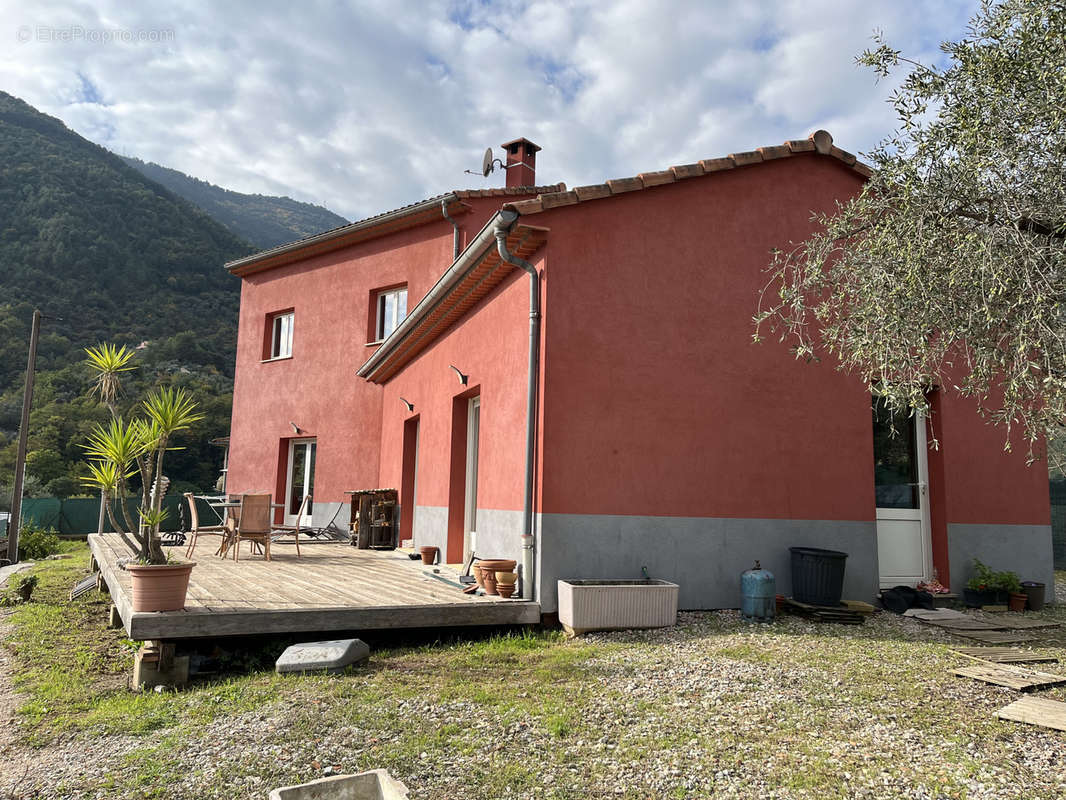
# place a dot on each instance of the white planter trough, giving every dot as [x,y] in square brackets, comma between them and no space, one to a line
[603,605]
[376,784]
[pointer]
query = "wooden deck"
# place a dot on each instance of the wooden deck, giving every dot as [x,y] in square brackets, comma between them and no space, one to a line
[332,587]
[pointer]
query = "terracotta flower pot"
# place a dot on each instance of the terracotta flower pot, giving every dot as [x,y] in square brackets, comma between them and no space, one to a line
[489,578]
[479,575]
[498,564]
[429,554]
[506,577]
[1018,601]
[159,587]
[505,589]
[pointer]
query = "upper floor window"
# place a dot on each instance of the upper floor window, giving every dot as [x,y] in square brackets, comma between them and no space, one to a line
[391,311]
[281,335]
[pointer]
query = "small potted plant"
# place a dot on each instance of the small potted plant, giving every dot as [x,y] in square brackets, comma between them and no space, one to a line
[1008,582]
[124,449]
[981,589]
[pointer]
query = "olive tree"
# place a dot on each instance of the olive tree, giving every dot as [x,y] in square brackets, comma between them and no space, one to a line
[949,267]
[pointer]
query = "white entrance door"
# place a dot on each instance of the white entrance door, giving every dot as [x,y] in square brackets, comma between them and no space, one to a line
[301,478]
[473,424]
[901,484]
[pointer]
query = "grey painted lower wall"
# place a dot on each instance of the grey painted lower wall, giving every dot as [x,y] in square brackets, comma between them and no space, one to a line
[1024,549]
[499,534]
[704,556]
[431,527]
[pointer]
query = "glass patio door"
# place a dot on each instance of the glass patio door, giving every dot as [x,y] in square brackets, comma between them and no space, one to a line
[901,485]
[301,478]
[473,435]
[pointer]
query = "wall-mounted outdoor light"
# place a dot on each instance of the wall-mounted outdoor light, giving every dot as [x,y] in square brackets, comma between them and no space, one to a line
[295,428]
[410,406]
[462,377]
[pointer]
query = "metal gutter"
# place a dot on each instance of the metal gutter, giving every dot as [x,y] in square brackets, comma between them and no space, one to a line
[336,233]
[466,261]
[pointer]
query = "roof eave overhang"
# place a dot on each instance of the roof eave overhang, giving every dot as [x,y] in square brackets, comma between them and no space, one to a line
[347,235]
[473,275]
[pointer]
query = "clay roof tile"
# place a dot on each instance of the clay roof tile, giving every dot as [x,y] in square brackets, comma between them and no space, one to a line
[656,178]
[620,185]
[687,171]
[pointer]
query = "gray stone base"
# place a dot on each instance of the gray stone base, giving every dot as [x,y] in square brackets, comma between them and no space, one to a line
[704,556]
[1024,549]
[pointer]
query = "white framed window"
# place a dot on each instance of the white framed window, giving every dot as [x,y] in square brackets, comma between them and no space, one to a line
[391,311]
[281,335]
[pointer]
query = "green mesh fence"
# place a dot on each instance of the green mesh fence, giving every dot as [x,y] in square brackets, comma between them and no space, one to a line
[80,515]
[1058,522]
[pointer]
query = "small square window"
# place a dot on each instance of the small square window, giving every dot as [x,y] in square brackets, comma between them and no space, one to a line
[281,335]
[391,311]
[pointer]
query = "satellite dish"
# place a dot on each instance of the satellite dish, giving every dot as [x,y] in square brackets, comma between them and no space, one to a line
[486,162]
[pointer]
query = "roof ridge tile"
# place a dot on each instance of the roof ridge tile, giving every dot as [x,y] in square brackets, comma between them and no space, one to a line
[820,142]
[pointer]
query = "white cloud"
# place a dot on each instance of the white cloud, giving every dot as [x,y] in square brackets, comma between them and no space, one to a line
[366,108]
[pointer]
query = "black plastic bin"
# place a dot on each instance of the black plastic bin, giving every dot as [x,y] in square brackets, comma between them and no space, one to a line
[817,575]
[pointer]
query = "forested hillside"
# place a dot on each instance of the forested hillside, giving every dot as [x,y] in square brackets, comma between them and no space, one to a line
[107,255]
[263,220]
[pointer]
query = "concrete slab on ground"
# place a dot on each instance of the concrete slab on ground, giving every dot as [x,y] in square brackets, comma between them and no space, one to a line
[331,656]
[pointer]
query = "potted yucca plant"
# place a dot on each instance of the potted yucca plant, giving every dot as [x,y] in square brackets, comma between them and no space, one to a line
[121,450]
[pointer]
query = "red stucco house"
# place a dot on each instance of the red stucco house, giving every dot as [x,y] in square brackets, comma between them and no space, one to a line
[398,351]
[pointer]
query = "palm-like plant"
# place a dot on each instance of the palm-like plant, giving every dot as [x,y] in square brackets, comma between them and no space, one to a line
[119,450]
[108,363]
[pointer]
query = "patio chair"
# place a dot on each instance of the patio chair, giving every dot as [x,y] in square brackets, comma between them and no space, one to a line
[296,529]
[197,529]
[254,524]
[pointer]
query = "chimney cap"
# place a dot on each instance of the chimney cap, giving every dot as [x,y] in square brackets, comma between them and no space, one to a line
[521,140]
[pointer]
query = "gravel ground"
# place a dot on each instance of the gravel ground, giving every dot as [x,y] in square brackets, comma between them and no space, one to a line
[711,708]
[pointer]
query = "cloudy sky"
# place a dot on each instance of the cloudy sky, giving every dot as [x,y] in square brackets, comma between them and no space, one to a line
[366,106]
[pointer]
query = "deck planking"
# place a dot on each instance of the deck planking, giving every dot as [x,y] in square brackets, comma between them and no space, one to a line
[331,587]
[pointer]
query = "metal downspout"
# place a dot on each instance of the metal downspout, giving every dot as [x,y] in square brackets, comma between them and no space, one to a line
[455,225]
[503,227]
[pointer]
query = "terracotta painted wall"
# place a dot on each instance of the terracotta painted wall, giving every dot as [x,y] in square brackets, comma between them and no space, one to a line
[658,401]
[490,345]
[982,483]
[318,388]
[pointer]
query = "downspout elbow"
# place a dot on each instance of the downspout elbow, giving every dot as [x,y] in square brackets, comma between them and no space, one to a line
[455,228]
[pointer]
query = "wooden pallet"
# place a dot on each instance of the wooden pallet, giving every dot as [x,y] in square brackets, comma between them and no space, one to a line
[839,614]
[1018,678]
[1005,655]
[967,624]
[1027,623]
[1036,711]
[991,637]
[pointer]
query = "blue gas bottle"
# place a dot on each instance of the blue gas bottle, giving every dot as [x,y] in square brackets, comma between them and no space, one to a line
[758,594]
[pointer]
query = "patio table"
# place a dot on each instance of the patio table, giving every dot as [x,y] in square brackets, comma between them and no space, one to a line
[222,509]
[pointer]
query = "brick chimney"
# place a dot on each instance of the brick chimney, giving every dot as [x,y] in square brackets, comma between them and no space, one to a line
[523,154]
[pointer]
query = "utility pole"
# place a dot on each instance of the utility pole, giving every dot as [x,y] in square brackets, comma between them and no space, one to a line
[15,522]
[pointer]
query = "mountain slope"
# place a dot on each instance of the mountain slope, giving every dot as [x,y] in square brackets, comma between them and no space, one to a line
[90,240]
[260,219]
[107,255]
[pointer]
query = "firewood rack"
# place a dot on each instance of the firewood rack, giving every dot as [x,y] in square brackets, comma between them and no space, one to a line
[373,518]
